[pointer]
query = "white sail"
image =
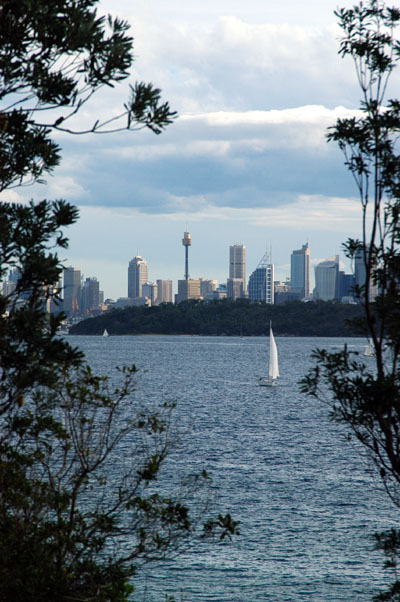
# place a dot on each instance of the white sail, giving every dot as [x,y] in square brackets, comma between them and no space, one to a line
[369,349]
[105,333]
[273,371]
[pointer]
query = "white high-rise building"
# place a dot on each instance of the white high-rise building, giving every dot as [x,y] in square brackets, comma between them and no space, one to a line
[300,271]
[137,276]
[164,291]
[327,279]
[149,290]
[237,271]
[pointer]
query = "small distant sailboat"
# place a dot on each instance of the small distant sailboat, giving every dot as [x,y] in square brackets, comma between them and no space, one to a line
[369,350]
[273,368]
[105,333]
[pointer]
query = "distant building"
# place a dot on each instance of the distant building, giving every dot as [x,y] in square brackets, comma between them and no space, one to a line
[164,291]
[71,290]
[149,289]
[53,304]
[327,279]
[13,275]
[219,293]
[346,286]
[206,286]
[137,276]
[261,281]
[283,293]
[90,295]
[360,273]
[139,301]
[237,271]
[283,297]
[188,289]
[186,241]
[300,271]
[8,288]
[120,303]
[234,288]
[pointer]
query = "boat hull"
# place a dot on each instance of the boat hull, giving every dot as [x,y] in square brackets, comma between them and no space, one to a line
[266,382]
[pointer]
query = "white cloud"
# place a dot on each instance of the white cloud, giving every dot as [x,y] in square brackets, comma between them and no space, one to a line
[310,114]
[65,187]
[12,196]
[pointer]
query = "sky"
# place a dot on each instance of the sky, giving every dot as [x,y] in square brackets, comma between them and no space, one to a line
[256,85]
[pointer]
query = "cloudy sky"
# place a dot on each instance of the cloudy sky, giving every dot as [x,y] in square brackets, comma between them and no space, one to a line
[256,85]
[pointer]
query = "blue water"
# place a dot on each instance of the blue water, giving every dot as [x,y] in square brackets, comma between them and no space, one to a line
[306,501]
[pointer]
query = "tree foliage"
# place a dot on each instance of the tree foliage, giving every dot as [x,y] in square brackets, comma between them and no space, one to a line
[54,56]
[366,396]
[82,496]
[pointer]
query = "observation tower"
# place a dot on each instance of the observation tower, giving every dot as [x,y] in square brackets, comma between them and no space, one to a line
[186,241]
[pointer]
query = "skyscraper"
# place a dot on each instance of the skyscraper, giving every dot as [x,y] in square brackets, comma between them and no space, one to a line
[327,279]
[164,291]
[72,289]
[90,296]
[261,281]
[300,271]
[236,282]
[137,276]
[360,274]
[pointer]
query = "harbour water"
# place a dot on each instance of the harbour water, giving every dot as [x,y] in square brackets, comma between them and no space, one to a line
[306,501]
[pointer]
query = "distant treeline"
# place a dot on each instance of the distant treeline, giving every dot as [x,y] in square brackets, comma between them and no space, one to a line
[226,317]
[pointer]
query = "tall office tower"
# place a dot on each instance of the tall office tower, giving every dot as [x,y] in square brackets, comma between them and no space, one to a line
[137,276]
[360,273]
[300,271]
[90,297]
[149,290]
[261,281]
[327,279]
[237,264]
[186,241]
[72,290]
[164,291]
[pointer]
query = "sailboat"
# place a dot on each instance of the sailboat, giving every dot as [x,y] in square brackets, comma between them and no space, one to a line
[273,369]
[105,333]
[369,349]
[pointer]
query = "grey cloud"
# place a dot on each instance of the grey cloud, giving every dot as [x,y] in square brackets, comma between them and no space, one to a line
[243,175]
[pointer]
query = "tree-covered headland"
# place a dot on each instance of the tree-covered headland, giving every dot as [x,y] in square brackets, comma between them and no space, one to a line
[227,317]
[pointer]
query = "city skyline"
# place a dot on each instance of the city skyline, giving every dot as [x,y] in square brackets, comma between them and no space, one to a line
[139,273]
[247,160]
